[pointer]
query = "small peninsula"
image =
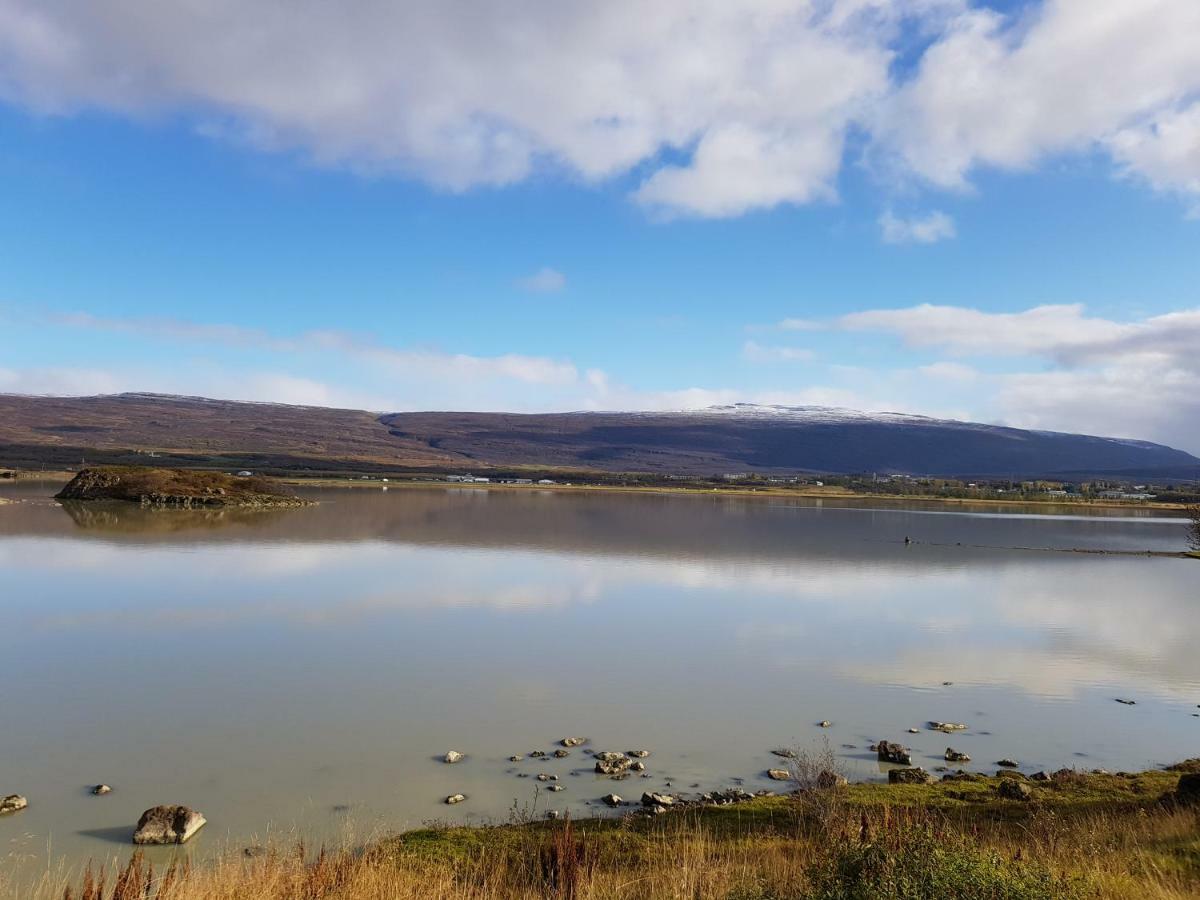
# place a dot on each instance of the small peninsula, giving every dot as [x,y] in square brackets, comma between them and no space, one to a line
[177,489]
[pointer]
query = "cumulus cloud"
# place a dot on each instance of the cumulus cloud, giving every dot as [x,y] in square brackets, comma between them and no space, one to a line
[928,229]
[544,281]
[1126,379]
[718,108]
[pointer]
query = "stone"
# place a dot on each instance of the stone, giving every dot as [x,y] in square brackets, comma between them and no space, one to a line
[553,814]
[893,753]
[1125,702]
[1188,789]
[638,754]
[914,731]
[1011,789]
[779,774]
[609,756]
[653,798]
[455,798]
[13,803]
[101,789]
[556,788]
[786,754]
[572,741]
[953,755]
[515,758]
[561,754]
[827,779]
[613,800]
[1039,776]
[537,754]
[947,726]
[167,825]
[544,777]
[613,763]
[453,756]
[637,766]
[1007,763]
[910,776]
[824,723]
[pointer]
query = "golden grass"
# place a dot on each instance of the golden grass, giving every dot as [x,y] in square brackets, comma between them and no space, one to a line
[736,853]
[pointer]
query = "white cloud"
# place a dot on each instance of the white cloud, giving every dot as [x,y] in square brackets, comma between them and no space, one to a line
[544,281]
[949,371]
[760,353]
[927,229]
[720,107]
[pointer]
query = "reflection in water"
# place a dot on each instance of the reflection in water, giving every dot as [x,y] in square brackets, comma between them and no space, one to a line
[269,668]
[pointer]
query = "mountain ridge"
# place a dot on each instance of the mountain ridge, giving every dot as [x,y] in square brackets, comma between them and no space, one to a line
[715,440]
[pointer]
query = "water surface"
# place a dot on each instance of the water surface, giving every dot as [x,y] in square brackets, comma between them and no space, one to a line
[294,671]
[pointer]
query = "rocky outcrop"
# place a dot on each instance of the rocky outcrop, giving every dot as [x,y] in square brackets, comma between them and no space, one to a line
[167,825]
[910,776]
[176,489]
[609,762]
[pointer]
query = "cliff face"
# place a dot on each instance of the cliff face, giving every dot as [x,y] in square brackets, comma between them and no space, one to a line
[175,488]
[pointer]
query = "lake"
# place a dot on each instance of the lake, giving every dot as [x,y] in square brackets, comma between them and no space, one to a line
[300,673]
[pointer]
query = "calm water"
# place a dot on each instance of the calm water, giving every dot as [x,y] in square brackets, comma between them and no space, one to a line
[295,671]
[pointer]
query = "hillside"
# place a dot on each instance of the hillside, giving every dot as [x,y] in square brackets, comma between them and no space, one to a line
[128,428]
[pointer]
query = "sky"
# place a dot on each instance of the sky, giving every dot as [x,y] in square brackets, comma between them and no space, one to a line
[984,211]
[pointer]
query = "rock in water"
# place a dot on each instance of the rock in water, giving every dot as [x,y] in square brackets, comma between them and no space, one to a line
[779,774]
[1011,789]
[893,753]
[101,789]
[455,798]
[910,776]
[167,825]
[947,726]
[613,800]
[453,756]
[12,803]
[652,798]
[572,741]
[1007,763]
[638,754]
[953,755]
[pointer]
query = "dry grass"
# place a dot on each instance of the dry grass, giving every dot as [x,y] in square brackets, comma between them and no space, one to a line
[738,854]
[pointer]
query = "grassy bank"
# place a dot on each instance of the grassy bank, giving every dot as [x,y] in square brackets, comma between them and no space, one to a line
[1103,836]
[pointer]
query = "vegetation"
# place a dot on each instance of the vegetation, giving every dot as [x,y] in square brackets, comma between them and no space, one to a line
[1081,836]
[1194,528]
[174,488]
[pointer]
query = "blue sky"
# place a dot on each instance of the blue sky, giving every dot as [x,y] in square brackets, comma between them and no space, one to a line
[772,202]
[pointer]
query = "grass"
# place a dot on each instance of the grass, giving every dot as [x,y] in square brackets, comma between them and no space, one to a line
[1082,836]
[173,487]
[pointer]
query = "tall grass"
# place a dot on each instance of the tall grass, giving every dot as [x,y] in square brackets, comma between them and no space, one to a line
[876,854]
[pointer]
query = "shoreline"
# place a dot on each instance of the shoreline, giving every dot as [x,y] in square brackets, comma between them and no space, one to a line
[1064,835]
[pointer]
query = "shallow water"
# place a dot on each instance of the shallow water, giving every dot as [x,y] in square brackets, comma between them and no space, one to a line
[293,671]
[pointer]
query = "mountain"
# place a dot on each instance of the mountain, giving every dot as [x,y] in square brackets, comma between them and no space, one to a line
[737,438]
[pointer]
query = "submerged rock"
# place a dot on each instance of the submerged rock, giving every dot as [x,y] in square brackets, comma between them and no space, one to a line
[168,825]
[638,754]
[947,726]
[779,774]
[1125,702]
[953,755]
[572,741]
[786,754]
[910,776]
[561,754]
[1007,763]
[13,803]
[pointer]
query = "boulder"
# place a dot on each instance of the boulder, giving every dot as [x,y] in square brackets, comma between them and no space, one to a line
[638,754]
[13,803]
[572,741]
[101,789]
[910,776]
[612,800]
[1188,790]
[453,756]
[561,754]
[1011,789]
[828,779]
[893,753]
[779,774]
[455,798]
[1007,763]
[167,825]
[953,755]
[653,798]
[637,766]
